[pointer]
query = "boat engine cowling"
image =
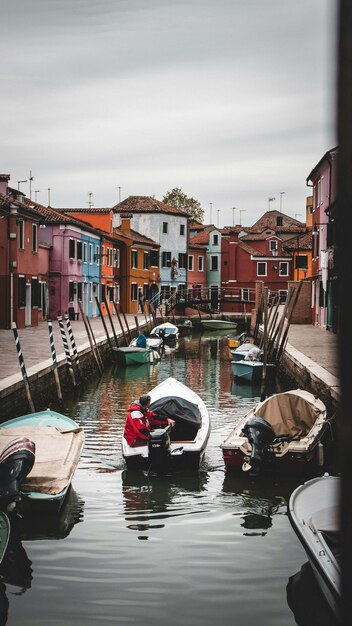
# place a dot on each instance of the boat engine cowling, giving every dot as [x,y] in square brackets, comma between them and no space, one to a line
[159,448]
[260,435]
[16,461]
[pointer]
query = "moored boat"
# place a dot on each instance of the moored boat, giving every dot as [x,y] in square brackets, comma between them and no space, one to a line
[155,343]
[239,353]
[313,511]
[183,445]
[215,324]
[167,332]
[285,432]
[39,456]
[132,355]
[252,371]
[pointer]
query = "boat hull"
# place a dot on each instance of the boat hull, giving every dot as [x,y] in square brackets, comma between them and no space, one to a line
[251,371]
[218,325]
[132,355]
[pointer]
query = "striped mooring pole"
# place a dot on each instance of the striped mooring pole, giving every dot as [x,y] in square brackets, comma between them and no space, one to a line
[73,345]
[67,350]
[22,366]
[53,354]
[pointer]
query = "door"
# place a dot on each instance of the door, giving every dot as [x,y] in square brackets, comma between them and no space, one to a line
[28,312]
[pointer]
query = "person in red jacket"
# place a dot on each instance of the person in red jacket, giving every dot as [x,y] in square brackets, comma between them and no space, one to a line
[140,420]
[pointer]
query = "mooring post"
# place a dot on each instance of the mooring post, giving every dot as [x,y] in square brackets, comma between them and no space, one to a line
[73,345]
[53,355]
[111,322]
[121,324]
[67,350]
[103,321]
[22,367]
[91,338]
[127,326]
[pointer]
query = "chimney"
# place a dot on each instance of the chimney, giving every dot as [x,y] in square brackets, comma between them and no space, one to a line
[126,222]
[4,179]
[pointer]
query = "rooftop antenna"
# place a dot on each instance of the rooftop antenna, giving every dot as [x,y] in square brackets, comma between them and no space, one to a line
[36,194]
[233,214]
[19,182]
[90,201]
[270,200]
[218,211]
[281,194]
[241,211]
[49,190]
[119,188]
[30,184]
[211,211]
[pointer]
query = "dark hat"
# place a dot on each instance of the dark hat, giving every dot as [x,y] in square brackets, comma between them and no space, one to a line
[144,400]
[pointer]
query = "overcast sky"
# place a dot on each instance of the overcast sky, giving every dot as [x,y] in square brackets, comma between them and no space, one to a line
[231,100]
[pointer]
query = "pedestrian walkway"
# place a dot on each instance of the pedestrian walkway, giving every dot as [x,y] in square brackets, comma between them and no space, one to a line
[311,346]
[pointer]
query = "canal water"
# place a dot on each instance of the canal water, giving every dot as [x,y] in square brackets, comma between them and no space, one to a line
[190,548]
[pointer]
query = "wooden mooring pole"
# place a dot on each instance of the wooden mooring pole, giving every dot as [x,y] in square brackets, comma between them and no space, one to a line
[121,324]
[22,367]
[53,356]
[67,350]
[103,322]
[91,339]
[73,345]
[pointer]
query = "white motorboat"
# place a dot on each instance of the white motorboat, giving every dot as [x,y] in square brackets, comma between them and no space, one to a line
[313,511]
[181,446]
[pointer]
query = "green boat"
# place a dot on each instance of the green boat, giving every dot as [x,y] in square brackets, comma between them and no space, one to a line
[58,442]
[132,355]
[4,534]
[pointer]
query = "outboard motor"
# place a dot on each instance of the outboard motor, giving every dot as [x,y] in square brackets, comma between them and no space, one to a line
[16,461]
[159,448]
[260,435]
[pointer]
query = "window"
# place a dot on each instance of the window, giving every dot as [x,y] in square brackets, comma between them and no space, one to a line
[279,220]
[84,252]
[146,291]
[190,263]
[283,268]
[21,291]
[214,263]
[245,295]
[182,261]
[79,250]
[79,291]
[134,258]
[200,264]
[21,235]
[282,296]
[71,249]
[261,268]
[166,259]
[273,244]
[145,260]
[70,291]
[165,225]
[215,240]
[134,291]
[34,238]
[182,230]
[97,255]
[35,293]
[90,258]
[301,261]
[154,258]
[117,257]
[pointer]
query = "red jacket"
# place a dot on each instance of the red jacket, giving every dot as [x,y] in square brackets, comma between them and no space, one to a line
[139,423]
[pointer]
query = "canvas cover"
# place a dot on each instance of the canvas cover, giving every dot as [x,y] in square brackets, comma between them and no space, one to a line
[57,453]
[289,414]
[186,415]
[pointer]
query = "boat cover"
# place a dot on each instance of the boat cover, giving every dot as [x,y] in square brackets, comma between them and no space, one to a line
[57,453]
[185,413]
[290,413]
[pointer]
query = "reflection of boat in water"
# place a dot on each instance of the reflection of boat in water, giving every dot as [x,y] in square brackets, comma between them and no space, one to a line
[306,601]
[143,493]
[258,502]
[144,372]
[16,567]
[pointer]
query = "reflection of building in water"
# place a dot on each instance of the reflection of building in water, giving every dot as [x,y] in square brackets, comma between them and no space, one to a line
[207,363]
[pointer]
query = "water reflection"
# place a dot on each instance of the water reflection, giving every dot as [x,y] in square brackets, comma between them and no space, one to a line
[148,498]
[16,568]
[257,501]
[307,601]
